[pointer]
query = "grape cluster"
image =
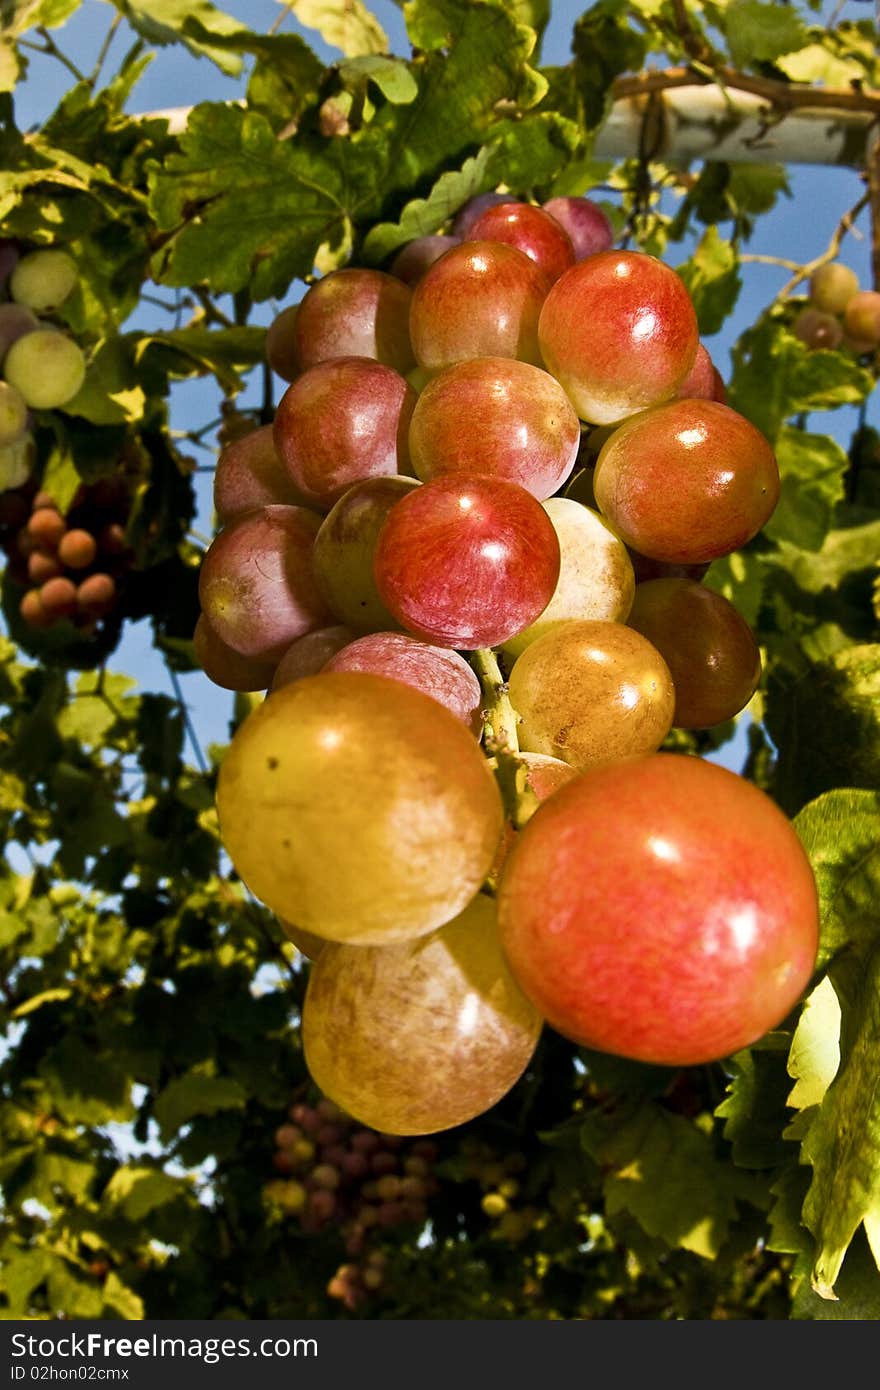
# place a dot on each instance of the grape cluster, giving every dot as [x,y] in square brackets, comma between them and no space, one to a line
[465,562]
[838,312]
[42,366]
[337,1172]
[71,565]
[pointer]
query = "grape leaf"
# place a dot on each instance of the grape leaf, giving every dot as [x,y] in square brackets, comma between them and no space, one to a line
[344,24]
[529,151]
[197,1092]
[812,469]
[776,376]
[391,75]
[841,833]
[425,215]
[839,696]
[193,23]
[857,1290]
[241,205]
[712,279]
[815,1049]
[10,65]
[136,1191]
[758,32]
[755,1096]
[843,1144]
[665,1171]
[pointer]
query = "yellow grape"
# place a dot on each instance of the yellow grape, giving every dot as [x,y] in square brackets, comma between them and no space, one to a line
[359,808]
[420,1036]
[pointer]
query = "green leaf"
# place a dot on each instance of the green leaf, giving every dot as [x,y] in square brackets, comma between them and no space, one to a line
[815,63]
[755,1099]
[815,1048]
[843,1144]
[344,24]
[391,75]
[10,66]
[826,725]
[121,1300]
[195,1093]
[111,393]
[776,376]
[191,22]
[264,206]
[713,280]
[759,32]
[664,1170]
[137,1191]
[606,43]
[200,351]
[857,1291]
[841,833]
[528,152]
[88,1086]
[812,468]
[425,215]
[285,77]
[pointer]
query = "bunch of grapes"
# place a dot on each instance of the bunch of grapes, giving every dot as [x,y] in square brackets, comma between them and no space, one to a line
[41,366]
[465,562]
[71,565]
[337,1172]
[838,312]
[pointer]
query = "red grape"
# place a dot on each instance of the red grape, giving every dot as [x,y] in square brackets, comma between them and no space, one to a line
[619,332]
[355,313]
[467,561]
[482,299]
[586,224]
[687,482]
[660,908]
[531,230]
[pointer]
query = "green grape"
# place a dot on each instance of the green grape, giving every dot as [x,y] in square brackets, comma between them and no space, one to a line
[421,1036]
[47,367]
[43,279]
[13,414]
[596,577]
[359,808]
[17,461]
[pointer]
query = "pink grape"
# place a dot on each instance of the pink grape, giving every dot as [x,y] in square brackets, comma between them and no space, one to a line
[355,313]
[256,584]
[309,654]
[439,672]
[466,216]
[528,430]
[412,260]
[250,474]
[226,667]
[587,225]
[341,422]
[687,481]
[345,549]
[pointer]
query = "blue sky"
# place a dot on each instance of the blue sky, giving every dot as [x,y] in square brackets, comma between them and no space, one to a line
[799,228]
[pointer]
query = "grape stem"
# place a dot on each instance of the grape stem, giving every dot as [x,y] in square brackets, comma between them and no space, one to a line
[500,739]
[499,716]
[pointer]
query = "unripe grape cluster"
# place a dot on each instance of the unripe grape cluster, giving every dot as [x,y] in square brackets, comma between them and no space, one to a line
[41,366]
[71,564]
[337,1173]
[838,312]
[453,784]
